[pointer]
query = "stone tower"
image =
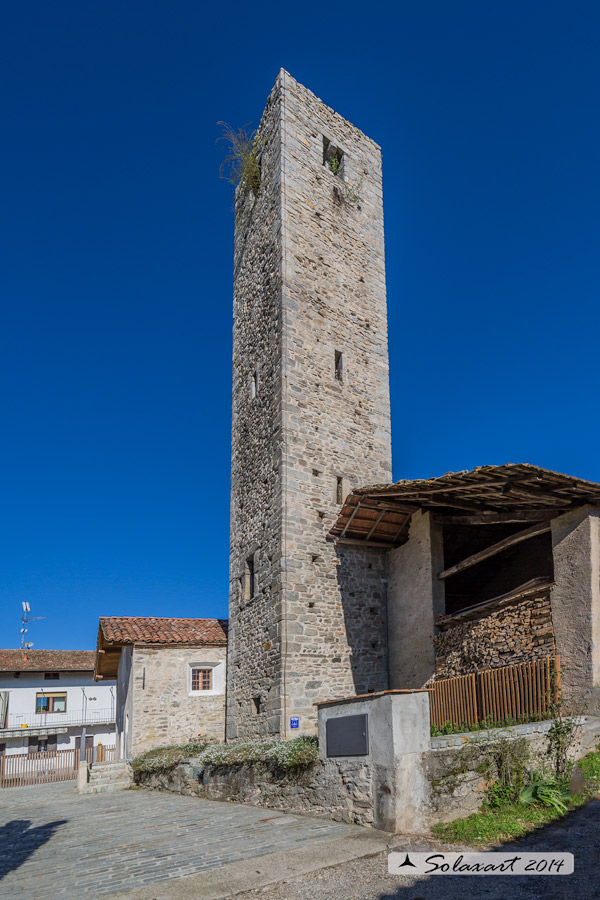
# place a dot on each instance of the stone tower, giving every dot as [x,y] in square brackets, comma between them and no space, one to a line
[311,418]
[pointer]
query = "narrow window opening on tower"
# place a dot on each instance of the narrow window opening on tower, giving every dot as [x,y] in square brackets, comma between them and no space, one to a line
[333,158]
[254,384]
[249,579]
[257,705]
[339,365]
[339,489]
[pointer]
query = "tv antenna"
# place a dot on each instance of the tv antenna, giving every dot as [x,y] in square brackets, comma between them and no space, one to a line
[26,618]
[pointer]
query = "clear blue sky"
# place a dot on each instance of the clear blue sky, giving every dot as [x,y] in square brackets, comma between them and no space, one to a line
[116,267]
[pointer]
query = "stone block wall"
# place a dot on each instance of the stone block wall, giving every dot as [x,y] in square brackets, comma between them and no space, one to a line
[513,634]
[309,282]
[333,789]
[163,710]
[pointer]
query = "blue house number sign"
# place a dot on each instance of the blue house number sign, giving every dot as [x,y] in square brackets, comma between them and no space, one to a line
[294,722]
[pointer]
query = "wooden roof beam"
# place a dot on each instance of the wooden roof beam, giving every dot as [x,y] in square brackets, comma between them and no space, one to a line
[511,541]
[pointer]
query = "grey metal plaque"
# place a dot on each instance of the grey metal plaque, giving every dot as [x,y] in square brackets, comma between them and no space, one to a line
[347,736]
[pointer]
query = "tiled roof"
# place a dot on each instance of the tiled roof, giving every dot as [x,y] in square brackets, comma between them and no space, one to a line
[46,660]
[151,630]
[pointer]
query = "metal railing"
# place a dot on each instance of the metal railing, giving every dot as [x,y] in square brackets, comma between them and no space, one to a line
[19,769]
[77,717]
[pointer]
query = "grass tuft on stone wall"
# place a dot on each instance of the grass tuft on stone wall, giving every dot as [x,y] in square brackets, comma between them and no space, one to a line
[291,754]
[286,754]
[162,758]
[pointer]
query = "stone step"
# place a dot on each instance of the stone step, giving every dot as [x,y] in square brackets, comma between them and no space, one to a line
[107,779]
[106,788]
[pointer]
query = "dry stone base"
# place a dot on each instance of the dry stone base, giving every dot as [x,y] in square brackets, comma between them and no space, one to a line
[510,635]
[338,790]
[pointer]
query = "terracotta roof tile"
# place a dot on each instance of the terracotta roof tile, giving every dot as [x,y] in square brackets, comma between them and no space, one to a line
[46,660]
[151,630]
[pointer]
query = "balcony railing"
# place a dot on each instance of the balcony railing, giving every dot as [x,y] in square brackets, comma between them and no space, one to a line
[70,718]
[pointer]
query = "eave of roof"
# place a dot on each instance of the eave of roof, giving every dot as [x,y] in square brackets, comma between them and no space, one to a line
[46,660]
[116,632]
[379,515]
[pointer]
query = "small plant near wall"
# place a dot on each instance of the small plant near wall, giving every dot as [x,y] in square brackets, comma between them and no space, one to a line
[349,193]
[241,164]
[334,164]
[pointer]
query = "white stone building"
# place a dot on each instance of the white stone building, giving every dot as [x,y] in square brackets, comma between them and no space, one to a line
[47,698]
[170,679]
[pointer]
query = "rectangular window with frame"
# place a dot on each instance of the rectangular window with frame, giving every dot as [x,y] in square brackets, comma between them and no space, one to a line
[51,676]
[50,703]
[202,679]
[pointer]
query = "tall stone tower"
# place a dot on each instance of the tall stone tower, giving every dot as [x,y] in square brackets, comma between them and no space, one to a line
[311,419]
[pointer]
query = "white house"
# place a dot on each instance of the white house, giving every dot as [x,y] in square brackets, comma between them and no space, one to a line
[47,698]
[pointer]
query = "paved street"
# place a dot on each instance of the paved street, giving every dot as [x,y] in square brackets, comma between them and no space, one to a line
[368,879]
[57,844]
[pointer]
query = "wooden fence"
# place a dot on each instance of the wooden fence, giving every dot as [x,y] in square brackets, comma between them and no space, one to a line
[510,692]
[18,769]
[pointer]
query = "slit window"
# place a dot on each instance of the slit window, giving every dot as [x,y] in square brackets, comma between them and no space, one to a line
[249,579]
[257,705]
[254,384]
[339,489]
[339,365]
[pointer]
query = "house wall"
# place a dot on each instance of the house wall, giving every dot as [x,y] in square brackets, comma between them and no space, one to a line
[164,710]
[79,688]
[309,280]
[124,720]
[415,598]
[575,600]
[513,634]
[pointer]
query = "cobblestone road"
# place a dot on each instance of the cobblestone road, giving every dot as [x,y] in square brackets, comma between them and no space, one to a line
[57,844]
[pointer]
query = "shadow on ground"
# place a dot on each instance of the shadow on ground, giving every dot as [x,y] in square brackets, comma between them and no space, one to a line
[18,840]
[577,833]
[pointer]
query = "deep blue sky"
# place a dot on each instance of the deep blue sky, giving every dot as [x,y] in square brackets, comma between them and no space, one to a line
[116,267]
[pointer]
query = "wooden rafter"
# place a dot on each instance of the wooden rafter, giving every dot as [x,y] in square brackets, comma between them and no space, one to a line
[499,547]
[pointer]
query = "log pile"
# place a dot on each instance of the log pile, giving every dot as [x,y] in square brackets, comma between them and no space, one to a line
[513,634]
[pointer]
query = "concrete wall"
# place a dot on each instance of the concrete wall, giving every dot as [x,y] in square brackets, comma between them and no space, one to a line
[399,734]
[165,709]
[575,600]
[415,598]
[309,280]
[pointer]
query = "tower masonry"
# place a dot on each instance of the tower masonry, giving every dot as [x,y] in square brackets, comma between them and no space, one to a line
[311,419]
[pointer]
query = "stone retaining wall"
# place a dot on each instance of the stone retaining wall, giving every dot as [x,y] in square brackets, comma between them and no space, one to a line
[332,789]
[345,789]
[501,638]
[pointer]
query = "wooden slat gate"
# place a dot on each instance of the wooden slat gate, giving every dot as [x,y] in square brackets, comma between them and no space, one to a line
[18,769]
[509,692]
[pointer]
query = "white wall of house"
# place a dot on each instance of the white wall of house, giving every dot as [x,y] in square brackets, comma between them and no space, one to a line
[88,704]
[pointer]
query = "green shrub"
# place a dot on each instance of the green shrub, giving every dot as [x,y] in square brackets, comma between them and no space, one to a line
[286,754]
[547,790]
[294,753]
[162,758]
[241,164]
